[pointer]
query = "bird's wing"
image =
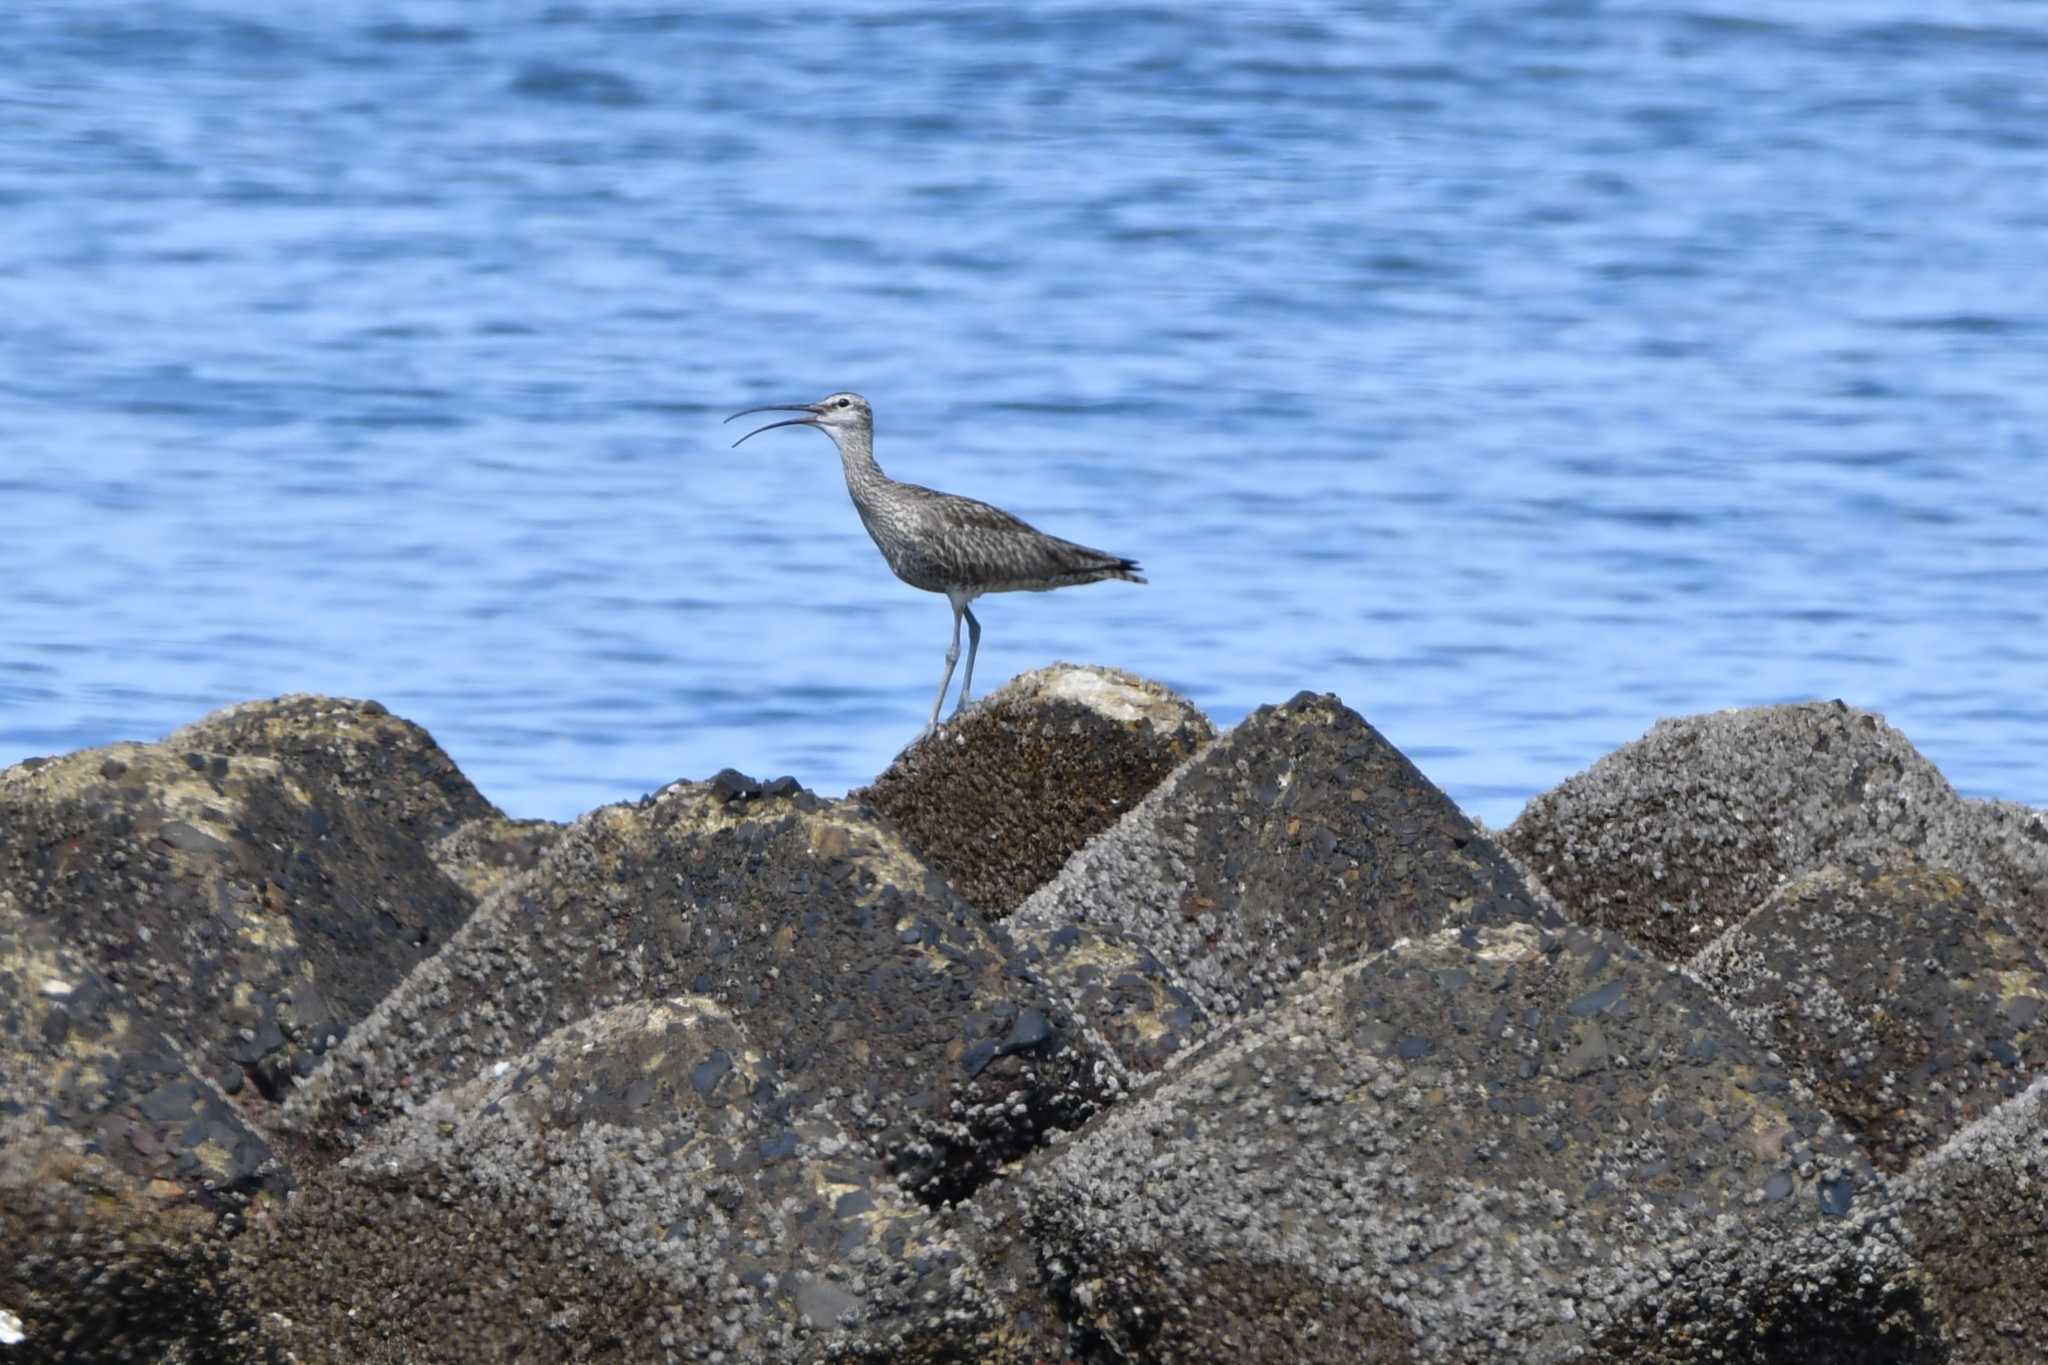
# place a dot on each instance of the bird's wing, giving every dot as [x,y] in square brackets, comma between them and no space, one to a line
[988,546]
[971,514]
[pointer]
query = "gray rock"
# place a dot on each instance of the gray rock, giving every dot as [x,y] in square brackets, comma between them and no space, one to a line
[78,1056]
[733,1073]
[1126,996]
[999,797]
[1299,838]
[256,882]
[98,1265]
[1673,838]
[2005,843]
[1908,1005]
[851,965]
[483,854]
[1493,1143]
[122,1173]
[1977,1213]
[645,1184]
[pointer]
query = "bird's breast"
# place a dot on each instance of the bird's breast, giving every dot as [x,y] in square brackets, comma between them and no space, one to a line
[908,557]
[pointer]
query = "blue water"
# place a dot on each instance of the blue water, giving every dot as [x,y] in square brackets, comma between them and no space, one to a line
[1520,372]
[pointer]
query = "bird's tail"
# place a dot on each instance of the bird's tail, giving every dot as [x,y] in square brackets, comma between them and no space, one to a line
[1085,564]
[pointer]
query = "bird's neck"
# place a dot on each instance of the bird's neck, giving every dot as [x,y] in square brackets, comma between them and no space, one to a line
[857,454]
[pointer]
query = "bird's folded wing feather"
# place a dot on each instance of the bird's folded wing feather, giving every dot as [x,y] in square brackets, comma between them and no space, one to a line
[993,549]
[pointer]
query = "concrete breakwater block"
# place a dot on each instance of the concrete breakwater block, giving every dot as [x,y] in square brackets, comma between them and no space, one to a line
[848,961]
[1248,1047]
[1000,796]
[1493,1142]
[1676,836]
[1301,838]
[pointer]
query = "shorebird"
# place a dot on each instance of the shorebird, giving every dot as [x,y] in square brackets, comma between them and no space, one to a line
[941,542]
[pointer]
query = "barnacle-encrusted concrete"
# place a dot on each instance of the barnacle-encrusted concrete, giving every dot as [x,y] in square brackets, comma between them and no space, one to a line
[76,1056]
[117,1164]
[1128,997]
[1000,796]
[1493,1143]
[483,854]
[1976,1210]
[256,882]
[1678,835]
[645,1184]
[850,963]
[100,1265]
[732,1073]
[1300,837]
[1910,1006]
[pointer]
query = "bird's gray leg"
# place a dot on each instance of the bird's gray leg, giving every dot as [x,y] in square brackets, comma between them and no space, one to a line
[952,657]
[973,645]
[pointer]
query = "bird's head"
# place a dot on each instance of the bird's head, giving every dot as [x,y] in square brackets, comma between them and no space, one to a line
[838,416]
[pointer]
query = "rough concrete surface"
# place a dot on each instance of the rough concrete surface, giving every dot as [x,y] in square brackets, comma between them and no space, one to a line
[734,1074]
[99,1266]
[483,854]
[122,1173]
[641,1185]
[1680,834]
[1000,796]
[1910,1006]
[256,882]
[846,958]
[1300,837]
[1976,1211]
[76,1055]
[1124,994]
[1493,1143]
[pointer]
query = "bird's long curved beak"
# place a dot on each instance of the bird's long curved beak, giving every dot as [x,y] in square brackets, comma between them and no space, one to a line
[810,421]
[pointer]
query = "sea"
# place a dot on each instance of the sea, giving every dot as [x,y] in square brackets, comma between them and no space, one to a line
[1519,372]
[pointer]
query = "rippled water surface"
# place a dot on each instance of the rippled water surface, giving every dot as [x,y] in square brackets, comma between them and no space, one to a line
[1520,372]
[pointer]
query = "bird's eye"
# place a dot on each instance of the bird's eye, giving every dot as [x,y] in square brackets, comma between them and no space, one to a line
[846,402]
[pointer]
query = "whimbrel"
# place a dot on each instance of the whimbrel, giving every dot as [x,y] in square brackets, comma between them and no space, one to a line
[941,542]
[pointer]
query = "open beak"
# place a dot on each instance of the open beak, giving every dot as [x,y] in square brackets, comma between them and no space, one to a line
[810,421]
